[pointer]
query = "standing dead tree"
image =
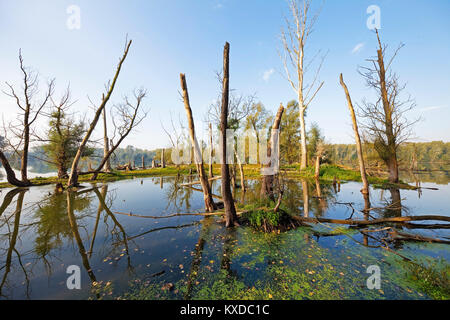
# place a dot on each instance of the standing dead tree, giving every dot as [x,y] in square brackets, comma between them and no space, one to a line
[210,160]
[210,206]
[130,116]
[294,39]
[30,109]
[230,209]
[73,178]
[362,167]
[107,166]
[268,177]
[320,151]
[386,125]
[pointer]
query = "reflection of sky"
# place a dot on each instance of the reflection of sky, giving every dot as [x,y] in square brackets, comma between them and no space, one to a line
[148,251]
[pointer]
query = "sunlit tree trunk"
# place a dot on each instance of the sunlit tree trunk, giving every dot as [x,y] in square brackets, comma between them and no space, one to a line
[207,196]
[362,167]
[230,209]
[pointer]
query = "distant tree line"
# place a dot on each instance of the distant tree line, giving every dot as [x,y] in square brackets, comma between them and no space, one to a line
[408,153]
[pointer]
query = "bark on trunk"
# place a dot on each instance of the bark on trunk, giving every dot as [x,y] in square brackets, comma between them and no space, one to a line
[241,171]
[390,156]
[163,161]
[73,178]
[267,181]
[230,209]
[210,173]
[362,167]
[317,167]
[143,162]
[107,166]
[10,175]
[210,206]
[304,151]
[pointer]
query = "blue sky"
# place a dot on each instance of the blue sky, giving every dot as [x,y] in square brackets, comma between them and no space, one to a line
[170,37]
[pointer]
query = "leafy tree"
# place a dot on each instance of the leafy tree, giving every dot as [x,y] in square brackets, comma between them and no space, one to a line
[290,134]
[64,137]
[314,138]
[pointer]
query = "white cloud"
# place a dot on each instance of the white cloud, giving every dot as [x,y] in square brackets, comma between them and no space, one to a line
[267,74]
[431,108]
[358,47]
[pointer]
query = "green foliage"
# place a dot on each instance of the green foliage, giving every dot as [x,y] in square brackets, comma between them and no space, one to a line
[290,134]
[258,218]
[425,152]
[64,136]
[431,277]
[314,138]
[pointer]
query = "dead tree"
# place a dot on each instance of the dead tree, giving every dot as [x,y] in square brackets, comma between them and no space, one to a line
[73,178]
[230,209]
[143,162]
[362,167]
[294,40]
[268,177]
[30,109]
[10,174]
[320,150]
[210,173]
[386,125]
[163,161]
[107,166]
[210,206]
[129,117]
[241,172]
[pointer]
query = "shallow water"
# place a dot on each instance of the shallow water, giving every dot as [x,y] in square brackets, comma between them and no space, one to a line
[41,234]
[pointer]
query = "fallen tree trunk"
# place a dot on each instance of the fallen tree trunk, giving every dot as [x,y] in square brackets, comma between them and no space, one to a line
[371,222]
[198,182]
[10,175]
[402,236]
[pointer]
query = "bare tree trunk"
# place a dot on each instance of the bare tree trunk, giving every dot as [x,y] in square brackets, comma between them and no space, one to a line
[143,162]
[153,164]
[26,144]
[230,210]
[211,174]
[305,198]
[362,167]
[241,171]
[267,182]
[107,166]
[163,161]
[10,175]
[294,39]
[304,150]
[73,178]
[317,167]
[210,206]
[391,155]
[125,131]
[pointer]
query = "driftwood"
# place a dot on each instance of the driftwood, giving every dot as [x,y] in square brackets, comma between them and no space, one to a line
[375,221]
[198,182]
[403,236]
[204,214]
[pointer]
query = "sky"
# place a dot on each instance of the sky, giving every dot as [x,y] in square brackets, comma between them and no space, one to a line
[187,36]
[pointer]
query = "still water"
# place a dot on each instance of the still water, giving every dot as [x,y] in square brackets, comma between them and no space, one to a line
[192,257]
